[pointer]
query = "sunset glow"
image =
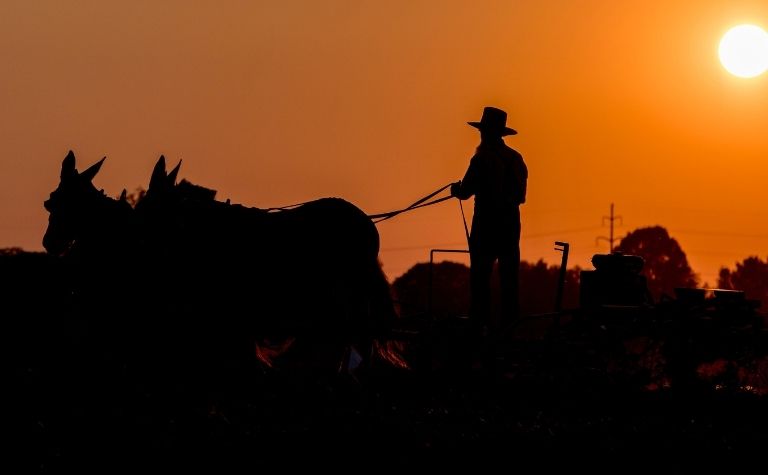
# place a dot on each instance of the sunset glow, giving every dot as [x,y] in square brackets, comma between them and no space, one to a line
[274,103]
[514,233]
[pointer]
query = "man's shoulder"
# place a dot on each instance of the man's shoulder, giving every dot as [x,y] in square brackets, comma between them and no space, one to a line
[512,154]
[490,154]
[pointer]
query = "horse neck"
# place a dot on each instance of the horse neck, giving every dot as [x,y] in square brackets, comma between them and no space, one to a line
[108,223]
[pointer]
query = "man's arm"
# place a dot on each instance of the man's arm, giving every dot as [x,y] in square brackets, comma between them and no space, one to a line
[523,181]
[468,186]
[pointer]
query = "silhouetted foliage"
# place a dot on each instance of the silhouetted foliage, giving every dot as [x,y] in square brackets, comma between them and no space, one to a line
[450,288]
[749,275]
[11,251]
[538,287]
[666,265]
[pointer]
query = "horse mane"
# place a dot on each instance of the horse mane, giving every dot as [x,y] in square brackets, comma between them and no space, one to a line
[191,191]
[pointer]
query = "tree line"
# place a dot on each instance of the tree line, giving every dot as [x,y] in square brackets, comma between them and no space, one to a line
[666,267]
[446,291]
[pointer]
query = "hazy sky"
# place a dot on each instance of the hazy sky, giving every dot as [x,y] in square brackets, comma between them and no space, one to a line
[274,103]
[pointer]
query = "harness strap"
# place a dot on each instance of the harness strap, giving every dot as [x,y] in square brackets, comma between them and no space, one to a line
[377,218]
[420,203]
[283,208]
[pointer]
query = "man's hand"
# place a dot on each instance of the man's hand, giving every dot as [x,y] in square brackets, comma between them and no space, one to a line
[455,187]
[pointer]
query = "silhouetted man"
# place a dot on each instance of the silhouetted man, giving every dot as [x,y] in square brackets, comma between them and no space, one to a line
[497,176]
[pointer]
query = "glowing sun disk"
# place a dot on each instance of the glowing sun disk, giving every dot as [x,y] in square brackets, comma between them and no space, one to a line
[743,51]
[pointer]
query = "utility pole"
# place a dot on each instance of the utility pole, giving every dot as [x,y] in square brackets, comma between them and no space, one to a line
[611,219]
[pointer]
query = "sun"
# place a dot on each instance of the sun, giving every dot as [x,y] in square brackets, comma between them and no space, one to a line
[744,51]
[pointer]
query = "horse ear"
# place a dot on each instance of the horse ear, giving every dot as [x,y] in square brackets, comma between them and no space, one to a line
[93,170]
[124,195]
[158,175]
[174,173]
[68,166]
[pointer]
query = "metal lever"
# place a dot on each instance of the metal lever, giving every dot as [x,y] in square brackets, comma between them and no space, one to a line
[563,247]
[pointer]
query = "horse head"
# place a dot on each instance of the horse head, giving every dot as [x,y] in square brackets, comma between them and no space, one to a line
[161,186]
[72,206]
[161,183]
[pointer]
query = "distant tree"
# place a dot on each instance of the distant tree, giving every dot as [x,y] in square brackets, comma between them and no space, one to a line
[750,275]
[538,287]
[451,295]
[450,289]
[666,265]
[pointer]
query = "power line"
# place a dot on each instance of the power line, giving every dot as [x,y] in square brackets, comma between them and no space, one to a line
[612,218]
[562,231]
[524,236]
[721,234]
[421,246]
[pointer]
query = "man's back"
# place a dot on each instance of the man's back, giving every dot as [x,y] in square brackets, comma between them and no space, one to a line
[497,176]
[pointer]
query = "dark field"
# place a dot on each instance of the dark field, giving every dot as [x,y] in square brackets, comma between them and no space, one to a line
[632,394]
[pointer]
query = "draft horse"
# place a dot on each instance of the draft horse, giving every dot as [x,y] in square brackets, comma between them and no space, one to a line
[221,275]
[310,271]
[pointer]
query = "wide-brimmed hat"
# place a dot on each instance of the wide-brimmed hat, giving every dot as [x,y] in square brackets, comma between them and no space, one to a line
[494,120]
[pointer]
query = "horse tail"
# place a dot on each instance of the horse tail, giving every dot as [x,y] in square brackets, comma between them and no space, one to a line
[383,316]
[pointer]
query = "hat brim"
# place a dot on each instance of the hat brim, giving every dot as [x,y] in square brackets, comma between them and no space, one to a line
[502,132]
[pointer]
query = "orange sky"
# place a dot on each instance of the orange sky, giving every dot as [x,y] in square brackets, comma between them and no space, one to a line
[274,103]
